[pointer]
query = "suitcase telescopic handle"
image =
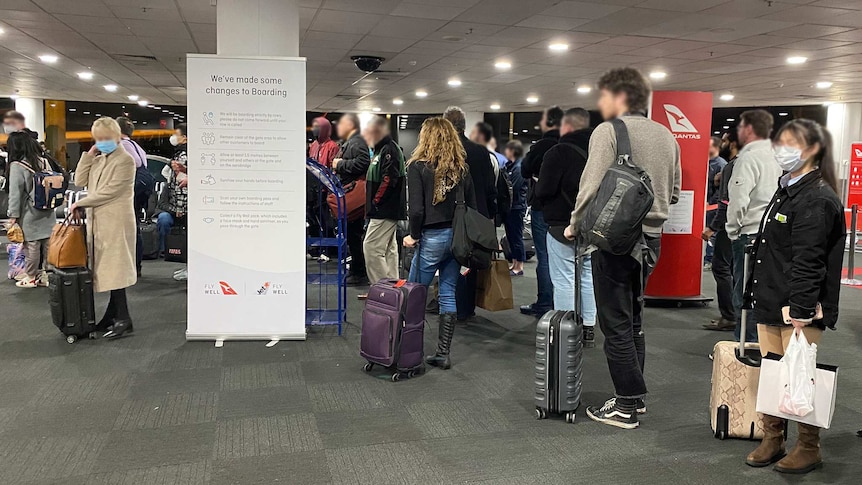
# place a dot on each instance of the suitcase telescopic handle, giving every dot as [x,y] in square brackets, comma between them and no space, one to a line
[743,317]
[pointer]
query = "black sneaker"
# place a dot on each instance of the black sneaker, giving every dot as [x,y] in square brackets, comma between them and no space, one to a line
[614,414]
[640,405]
[534,310]
[589,337]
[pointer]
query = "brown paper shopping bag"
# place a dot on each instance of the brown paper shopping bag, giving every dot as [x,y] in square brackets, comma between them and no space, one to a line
[494,287]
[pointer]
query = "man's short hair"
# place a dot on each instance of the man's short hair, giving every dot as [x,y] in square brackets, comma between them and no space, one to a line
[628,81]
[184,129]
[578,118]
[14,115]
[517,148]
[456,116]
[354,120]
[759,120]
[486,130]
[716,141]
[126,126]
[378,122]
[554,115]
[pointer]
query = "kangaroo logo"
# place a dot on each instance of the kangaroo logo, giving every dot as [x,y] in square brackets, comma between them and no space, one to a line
[858,152]
[226,289]
[678,121]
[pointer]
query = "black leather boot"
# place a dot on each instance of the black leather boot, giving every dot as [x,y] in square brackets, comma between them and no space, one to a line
[444,341]
[119,329]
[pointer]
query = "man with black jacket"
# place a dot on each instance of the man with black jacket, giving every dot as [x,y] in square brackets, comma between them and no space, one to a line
[722,256]
[557,190]
[530,169]
[385,201]
[484,184]
[351,164]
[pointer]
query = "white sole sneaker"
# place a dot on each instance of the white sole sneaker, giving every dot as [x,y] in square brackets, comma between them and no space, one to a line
[612,422]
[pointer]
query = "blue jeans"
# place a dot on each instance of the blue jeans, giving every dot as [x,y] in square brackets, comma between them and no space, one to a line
[164,223]
[561,258]
[738,247]
[545,293]
[434,254]
[514,224]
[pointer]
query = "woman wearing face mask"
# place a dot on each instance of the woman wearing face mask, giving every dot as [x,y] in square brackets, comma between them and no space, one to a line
[797,261]
[108,172]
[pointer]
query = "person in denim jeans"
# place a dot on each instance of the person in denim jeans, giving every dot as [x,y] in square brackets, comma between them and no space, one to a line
[514,221]
[436,174]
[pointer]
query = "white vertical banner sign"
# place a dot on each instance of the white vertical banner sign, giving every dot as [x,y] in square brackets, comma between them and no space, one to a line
[246,223]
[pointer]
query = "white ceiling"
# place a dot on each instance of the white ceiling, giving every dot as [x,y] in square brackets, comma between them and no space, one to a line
[736,46]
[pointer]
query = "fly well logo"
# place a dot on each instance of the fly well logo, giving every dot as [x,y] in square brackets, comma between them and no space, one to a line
[223,288]
[269,288]
[679,123]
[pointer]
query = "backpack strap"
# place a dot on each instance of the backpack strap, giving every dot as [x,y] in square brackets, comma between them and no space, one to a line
[624,146]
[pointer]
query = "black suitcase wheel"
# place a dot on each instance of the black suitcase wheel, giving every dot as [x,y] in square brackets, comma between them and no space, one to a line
[367,367]
[541,413]
[71,339]
[411,374]
[570,417]
[396,377]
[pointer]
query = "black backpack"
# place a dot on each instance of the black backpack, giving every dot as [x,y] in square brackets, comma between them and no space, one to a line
[614,218]
[145,183]
[474,237]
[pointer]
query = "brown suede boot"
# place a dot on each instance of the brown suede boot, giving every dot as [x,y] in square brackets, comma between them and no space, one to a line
[805,456]
[771,449]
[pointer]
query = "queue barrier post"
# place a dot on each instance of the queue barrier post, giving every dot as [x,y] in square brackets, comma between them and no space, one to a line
[851,258]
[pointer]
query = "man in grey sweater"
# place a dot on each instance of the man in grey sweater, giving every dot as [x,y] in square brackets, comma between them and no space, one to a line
[620,280]
[750,189]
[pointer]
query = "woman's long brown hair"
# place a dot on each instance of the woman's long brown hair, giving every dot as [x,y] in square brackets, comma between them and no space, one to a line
[440,147]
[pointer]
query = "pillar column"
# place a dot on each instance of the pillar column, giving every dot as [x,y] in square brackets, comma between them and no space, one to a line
[473,117]
[844,121]
[55,129]
[33,110]
[257,28]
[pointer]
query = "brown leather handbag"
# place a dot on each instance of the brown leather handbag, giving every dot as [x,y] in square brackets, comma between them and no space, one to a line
[354,200]
[68,245]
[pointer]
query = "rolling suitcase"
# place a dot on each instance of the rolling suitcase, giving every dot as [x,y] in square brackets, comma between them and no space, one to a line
[559,359]
[150,238]
[735,375]
[393,327]
[71,300]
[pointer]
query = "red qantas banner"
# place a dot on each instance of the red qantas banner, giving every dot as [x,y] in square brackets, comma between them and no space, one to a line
[854,184]
[688,115]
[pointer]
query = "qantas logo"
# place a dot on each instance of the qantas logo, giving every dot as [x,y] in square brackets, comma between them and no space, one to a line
[858,153]
[679,123]
[223,288]
[226,288]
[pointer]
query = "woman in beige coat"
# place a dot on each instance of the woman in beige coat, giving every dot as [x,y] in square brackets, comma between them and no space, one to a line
[108,172]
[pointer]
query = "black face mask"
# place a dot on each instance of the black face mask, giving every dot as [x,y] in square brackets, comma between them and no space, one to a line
[315,132]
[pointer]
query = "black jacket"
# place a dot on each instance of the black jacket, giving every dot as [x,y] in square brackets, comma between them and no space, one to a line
[798,253]
[355,159]
[560,177]
[423,213]
[386,194]
[482,173]
[532,164]
[720,218]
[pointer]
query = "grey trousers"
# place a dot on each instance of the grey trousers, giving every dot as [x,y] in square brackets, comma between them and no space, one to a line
[381,249]
[35,257]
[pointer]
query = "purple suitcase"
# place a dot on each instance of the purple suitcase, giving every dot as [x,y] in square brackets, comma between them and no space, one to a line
[393,327]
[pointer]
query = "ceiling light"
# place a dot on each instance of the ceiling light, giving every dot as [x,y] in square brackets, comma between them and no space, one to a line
[98,115]
[111,88]
[726,97]
[783,114]
[85,75]
[144,123]
[503,65]
[495,106]
[143,102]
[132,97]
[48,58]
[824,85]
[584,89]
[164,111]
[86,112]
[716,132]
[524,131]
[454,82]
[731,119]
[725,127]
[421,94]
[796,60]
[73,110]
[559,47]
[533,99]
[375,109]
[657,75]
[154,106]
[397,102]
[53,105]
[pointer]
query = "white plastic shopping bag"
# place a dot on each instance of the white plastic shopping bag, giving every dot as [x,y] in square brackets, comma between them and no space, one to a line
[800,363]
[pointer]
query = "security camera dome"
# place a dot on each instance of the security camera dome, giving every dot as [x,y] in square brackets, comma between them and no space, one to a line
[368,63]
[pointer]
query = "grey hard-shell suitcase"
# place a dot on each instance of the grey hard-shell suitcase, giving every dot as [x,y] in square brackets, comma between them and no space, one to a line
[559,359]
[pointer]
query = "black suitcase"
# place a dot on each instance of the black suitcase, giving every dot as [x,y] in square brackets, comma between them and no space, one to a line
[559,359]
[71,300]
[176,245]
[150,237]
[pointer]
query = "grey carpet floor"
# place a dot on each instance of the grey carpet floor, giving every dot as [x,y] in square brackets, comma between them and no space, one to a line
[155,409]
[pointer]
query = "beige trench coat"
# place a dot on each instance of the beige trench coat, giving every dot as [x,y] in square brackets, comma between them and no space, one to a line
[111,226]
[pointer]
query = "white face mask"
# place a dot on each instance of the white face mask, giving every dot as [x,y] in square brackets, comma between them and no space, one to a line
[9,129]
[788,158]
[174,140]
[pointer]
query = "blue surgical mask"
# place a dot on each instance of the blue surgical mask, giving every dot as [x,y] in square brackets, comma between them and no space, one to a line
[106,146]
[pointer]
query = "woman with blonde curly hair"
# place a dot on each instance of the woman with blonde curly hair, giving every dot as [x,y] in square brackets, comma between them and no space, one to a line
[436,174]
